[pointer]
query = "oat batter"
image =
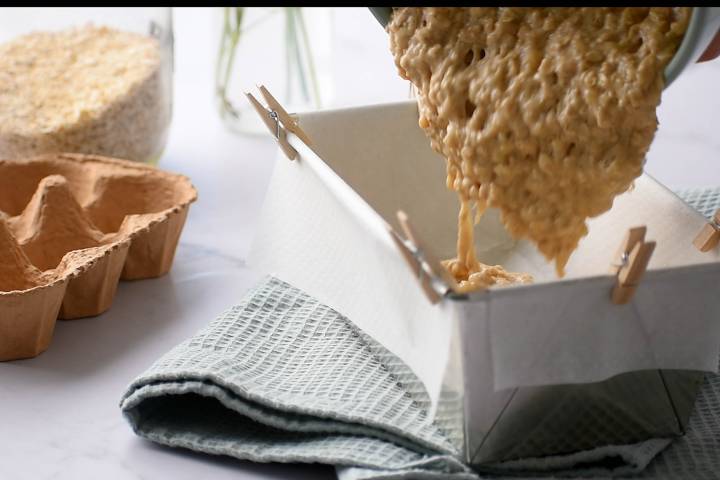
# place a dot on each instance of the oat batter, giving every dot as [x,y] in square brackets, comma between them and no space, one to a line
[544,113]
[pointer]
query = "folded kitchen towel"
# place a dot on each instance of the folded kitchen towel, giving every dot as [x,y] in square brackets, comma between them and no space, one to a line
[281,377]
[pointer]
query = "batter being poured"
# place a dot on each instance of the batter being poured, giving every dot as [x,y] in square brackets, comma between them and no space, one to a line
[543,113]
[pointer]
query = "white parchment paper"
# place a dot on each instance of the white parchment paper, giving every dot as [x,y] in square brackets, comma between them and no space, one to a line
[323,229]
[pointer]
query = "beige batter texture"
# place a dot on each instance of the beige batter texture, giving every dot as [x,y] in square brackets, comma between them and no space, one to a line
[543,113]
[84,90]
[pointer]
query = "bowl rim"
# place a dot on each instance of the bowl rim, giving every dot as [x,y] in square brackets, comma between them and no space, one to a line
[703,25]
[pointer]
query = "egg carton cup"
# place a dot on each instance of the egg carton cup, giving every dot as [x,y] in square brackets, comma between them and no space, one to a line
[71,227]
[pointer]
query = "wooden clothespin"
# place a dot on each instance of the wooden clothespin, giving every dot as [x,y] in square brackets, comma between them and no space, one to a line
[417,269]
[709,235]
[278,121]
[287,120]
[419,254]
[433,262]
[631,261]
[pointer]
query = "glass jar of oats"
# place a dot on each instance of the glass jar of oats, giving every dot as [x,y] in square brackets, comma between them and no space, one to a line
[93,80]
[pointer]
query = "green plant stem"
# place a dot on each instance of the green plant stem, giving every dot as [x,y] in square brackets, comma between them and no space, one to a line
[221,55]
[310,60]
[298,55]
[226,58]
[297,43]
[288,55]
[234,40]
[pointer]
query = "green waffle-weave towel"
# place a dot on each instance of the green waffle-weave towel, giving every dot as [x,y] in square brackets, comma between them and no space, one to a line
[281,377]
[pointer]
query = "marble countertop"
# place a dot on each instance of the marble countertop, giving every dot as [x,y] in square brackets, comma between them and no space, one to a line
[59,415]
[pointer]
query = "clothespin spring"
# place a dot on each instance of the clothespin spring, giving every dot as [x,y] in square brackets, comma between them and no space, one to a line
[278,121]
[631,262]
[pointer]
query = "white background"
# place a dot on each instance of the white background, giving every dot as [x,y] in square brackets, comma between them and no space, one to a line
[58,412]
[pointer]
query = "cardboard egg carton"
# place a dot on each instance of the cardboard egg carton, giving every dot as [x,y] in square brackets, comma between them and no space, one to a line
[71,227]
